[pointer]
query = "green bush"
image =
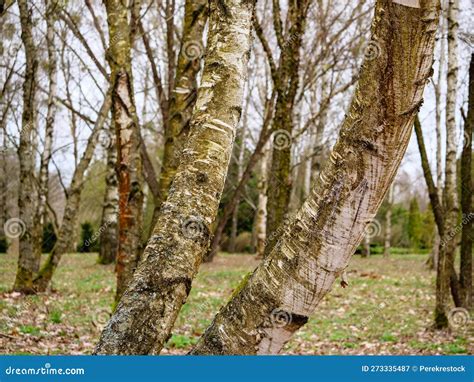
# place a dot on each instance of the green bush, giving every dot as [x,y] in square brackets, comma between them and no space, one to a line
[88,242]
[3,244]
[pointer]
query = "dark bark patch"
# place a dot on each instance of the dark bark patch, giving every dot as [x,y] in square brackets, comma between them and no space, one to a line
[201,177]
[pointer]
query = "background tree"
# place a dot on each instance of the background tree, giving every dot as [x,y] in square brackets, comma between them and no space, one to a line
[27,262]
[129,164]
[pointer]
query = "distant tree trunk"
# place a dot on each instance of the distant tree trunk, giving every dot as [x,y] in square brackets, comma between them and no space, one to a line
[129,164]
[3,180]
[43,178]
[162,282]
[183,96]
[235,197]
[433,260]
[438,211]
[388,222]
[109,221]
[444,281]
[279,184]
[467,236]
[366,248]
[73,199]
[316,246]
[317,160]
[27,262]
[240,172]
[261,219]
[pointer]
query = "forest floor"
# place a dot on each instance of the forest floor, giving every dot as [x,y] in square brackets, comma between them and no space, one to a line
[386,309]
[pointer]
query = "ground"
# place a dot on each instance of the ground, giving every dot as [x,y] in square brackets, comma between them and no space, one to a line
[386,309]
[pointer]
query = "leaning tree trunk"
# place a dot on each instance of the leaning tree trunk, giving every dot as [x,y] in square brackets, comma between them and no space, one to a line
[315,248]
[161,284]
[129,164]
[465,276]
[183,97]
[279,183]
[109,222]
[73,199]
[43,179]
[27,263]
[450,199]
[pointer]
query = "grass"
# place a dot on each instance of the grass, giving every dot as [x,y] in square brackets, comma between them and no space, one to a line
[387,309]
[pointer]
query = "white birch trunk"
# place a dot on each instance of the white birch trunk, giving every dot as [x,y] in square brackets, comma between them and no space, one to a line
[146,313]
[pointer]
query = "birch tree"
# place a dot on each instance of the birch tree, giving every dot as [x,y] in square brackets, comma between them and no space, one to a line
[467,208]
[182,97]
[27,262]
[129,165]
[286,85]
[448,243]
[151,303]
[316,246]
[73,199]
[109,222]
[43,177]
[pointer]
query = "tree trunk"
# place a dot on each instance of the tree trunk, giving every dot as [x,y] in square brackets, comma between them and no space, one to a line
[261,219]
[315,248]
[388,223]
[433,261]
[465,276]
[240,173]
[447,251]
[109,222]
[183,96]
[27,262]
[43,179]
[232,203]
[366,248]
[73,198]
[279,183]
[161,284]
[129,164]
